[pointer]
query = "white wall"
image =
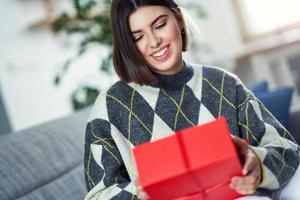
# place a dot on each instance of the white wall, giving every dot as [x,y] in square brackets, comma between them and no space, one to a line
[29,60]
[220,28]
[220,31]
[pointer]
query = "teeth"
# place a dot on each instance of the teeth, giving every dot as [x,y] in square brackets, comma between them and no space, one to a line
[162,52]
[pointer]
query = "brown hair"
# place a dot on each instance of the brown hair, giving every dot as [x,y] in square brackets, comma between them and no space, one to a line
[128,62]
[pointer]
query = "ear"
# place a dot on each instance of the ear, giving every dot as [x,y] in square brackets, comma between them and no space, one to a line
[180,24]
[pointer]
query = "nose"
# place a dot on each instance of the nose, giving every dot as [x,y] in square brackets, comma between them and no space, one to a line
[154,41]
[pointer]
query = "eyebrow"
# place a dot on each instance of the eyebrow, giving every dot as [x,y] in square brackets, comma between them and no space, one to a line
[154,21]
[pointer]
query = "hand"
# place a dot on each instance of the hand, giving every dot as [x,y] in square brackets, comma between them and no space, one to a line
[248,183]
[141,194]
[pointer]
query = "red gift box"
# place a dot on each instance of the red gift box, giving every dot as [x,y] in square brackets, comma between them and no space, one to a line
[196,163]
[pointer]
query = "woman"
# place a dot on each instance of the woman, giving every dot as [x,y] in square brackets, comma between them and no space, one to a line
[159,94]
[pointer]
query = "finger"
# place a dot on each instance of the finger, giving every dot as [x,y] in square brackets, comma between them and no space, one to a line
[236,182]
[241,145]
[141,194]
[247,184]
[253,176]
[250,186]
[239,182]
[247,190]
[244,188]
[250,163]
[251,179]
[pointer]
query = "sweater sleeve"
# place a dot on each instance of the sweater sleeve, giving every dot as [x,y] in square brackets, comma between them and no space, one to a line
[105,173]
[274,146]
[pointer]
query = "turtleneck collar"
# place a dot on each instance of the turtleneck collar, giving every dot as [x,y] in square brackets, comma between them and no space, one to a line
[174,81]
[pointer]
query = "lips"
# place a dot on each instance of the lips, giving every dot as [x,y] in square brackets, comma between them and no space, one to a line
[161,54]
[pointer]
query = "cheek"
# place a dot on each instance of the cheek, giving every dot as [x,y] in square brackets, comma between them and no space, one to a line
[141,47]
[173,33]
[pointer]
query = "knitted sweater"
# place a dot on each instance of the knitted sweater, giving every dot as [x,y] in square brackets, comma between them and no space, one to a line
[129,114]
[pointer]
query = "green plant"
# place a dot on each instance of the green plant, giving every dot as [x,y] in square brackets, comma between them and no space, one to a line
[91,25]
[91,22]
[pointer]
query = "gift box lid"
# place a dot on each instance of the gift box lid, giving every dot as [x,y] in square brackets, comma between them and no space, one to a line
[190,161]
[209,150]
[159,160]
[164,169]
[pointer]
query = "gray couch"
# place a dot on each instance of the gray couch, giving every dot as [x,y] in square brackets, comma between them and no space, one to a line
[46,162]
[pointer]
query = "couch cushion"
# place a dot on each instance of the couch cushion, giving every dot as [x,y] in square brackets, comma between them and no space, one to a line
[42,155]
[294,123]
[278,103]
[260,87]
[68,186]
[291,190]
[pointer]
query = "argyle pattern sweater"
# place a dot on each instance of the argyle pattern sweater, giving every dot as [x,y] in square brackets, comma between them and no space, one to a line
[126,115]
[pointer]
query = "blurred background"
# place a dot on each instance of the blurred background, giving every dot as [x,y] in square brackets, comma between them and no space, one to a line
[55,55]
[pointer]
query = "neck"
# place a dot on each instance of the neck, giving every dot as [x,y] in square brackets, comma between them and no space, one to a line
[175,80]
[175,70]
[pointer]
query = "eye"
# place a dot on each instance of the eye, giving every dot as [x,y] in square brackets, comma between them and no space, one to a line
[136,39]
[160,26]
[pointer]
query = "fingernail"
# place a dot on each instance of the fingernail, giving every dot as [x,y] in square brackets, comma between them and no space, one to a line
[244,172]
[233,185]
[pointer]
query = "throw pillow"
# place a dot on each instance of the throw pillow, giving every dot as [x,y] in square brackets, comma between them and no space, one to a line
[260,87]
[278,103]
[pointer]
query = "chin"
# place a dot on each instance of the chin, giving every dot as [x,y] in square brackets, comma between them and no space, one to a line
[166,67]
[162,68]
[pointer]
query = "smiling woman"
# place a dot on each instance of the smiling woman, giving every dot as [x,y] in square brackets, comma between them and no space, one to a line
[159,94]
[158,38]
[154,36]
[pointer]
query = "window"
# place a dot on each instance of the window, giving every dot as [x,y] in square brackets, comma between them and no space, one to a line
[260,18]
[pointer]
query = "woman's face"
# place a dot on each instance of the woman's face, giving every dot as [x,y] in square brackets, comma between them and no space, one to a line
[157,35]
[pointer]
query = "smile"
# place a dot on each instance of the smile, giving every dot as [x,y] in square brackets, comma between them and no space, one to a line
[161,54]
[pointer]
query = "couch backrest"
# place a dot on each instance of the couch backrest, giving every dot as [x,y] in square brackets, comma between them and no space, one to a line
[4,122]
[44,162]
[294,123]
